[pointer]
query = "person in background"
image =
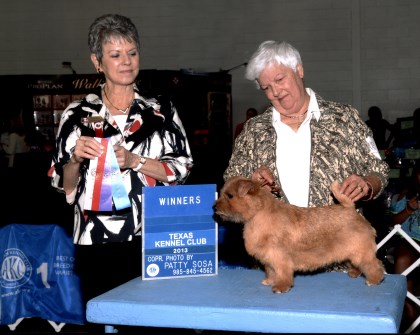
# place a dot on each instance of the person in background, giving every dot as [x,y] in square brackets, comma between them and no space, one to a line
[302,143]
[4,140]
[147,140]
[406,212]
[380,127]
[250,112]
[383,134]
[416,128]
[408,136]
[16,142]
[37,141]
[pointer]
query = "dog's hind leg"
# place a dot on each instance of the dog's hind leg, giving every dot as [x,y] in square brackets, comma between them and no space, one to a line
[374,272]
[353,271]
[371,267]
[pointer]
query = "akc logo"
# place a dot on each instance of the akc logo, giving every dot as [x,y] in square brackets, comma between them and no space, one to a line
[16,269]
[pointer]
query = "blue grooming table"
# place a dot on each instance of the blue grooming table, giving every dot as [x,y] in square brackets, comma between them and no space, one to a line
[235,300]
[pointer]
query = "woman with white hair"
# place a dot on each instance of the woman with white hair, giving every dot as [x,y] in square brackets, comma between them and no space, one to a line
[302,142]
[305,141]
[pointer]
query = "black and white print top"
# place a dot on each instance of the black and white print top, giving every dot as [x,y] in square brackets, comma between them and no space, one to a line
[153,129]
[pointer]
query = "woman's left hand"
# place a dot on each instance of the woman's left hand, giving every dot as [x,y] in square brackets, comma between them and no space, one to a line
[126,159]
[355,187]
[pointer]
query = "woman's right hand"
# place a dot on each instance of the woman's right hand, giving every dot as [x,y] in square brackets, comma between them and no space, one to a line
[86,148]
[266,177]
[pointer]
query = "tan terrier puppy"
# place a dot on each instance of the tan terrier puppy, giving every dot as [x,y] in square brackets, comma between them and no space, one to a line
[285,238]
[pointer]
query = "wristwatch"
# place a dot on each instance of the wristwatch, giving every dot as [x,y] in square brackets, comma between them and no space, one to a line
[142,161]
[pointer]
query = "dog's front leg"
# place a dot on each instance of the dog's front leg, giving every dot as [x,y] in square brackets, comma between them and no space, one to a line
[280,276]
[284,281]
[269,276]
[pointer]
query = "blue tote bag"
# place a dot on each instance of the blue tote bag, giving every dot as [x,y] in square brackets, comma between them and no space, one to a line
[37,275]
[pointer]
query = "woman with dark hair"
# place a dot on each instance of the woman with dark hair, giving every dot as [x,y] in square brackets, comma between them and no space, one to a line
[405,207]
[380,127]
[140,137]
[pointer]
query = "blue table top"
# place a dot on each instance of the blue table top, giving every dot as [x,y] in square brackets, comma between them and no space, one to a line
[235,300]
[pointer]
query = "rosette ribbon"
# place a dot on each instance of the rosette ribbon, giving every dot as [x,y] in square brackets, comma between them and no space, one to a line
[104,184]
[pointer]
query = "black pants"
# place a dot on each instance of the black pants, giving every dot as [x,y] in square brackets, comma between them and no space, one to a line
[102,267]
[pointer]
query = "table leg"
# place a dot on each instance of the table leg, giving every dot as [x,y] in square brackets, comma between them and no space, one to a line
[110,329]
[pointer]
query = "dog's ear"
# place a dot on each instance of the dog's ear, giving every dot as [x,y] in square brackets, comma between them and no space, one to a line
[245,186]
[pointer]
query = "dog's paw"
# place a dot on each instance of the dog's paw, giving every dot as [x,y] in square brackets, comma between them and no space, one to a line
[280,288]
[374,281]
[368,283]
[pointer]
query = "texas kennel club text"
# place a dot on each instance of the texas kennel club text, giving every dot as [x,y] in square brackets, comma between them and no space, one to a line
[181,240]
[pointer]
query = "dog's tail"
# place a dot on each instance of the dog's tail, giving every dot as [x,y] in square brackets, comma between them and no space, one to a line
[343,199]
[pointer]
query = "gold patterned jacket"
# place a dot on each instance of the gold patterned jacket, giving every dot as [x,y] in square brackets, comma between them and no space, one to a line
[339,149]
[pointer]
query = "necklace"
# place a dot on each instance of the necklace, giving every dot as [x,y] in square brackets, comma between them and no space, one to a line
[124,111]
[292,117]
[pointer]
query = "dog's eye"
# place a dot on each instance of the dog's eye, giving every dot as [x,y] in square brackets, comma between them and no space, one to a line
[229,195]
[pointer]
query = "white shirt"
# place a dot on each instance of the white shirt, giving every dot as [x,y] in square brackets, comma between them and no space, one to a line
[293,152]
[120,120]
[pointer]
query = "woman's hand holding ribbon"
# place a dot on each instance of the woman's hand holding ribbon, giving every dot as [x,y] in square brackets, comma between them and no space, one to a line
[126,159]
[86,148]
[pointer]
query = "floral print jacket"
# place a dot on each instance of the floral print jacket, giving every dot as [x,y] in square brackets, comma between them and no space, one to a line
[339,149]
[153,129]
